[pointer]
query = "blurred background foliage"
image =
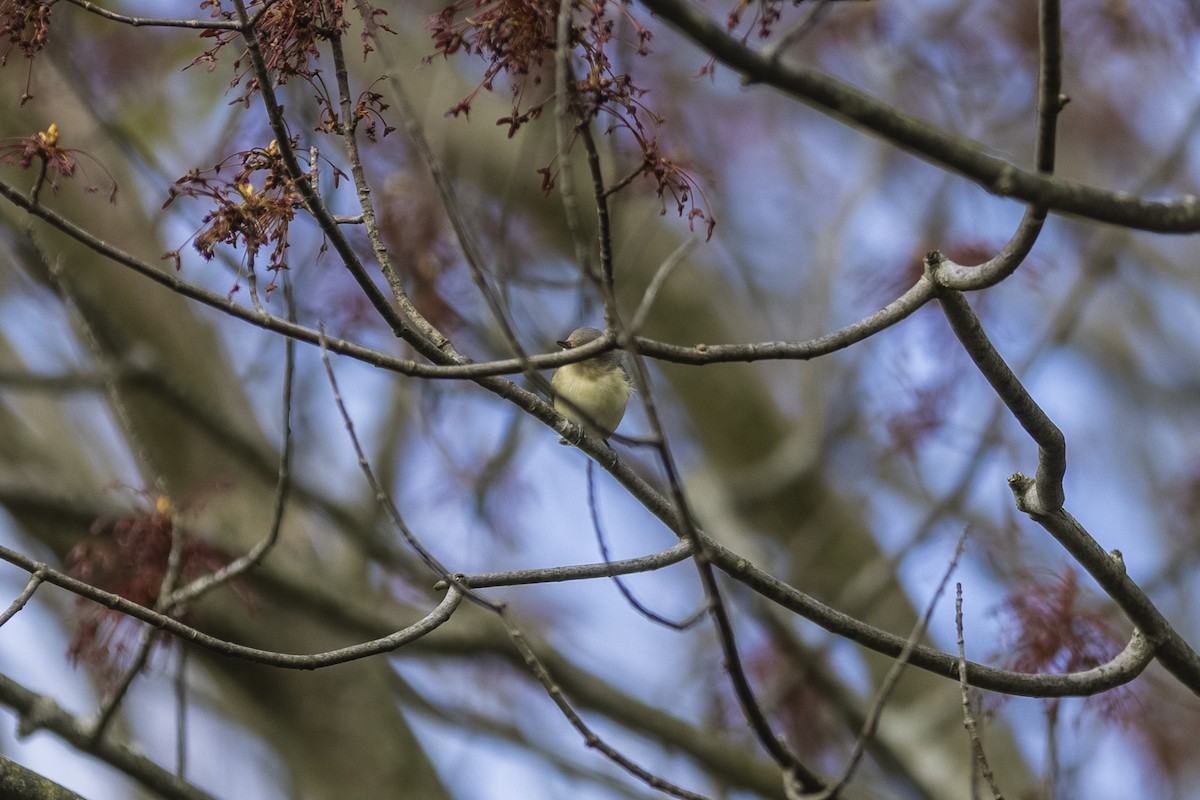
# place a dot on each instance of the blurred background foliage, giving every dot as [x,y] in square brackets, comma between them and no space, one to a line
[851,476]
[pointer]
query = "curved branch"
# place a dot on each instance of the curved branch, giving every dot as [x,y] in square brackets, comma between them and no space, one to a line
[1052,446]
[385,644]
[604,569]
[157,22]
[739,568]
[899,309]
[1042,497]
[1108,570]
[1123,668]
[955,153]
[1050,103]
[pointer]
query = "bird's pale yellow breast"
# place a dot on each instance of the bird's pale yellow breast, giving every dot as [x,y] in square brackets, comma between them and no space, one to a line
[601,395]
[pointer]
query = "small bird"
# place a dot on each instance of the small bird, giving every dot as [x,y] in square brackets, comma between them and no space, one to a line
[591,393]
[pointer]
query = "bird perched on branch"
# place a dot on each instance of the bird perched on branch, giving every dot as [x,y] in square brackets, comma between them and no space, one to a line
[591,393]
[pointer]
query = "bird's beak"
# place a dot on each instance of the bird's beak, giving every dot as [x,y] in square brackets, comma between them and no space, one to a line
[563,343]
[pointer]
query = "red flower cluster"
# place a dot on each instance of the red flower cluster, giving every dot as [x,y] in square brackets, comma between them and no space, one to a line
[53,160]
[518,39]
[25,24]
[128,557]
[766,14]
[287,32]
[244,214]
[1052,633]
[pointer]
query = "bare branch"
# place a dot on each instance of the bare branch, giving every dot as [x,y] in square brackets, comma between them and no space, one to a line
[1108,570]
[1050,103]
[1052,447]
[661,275]
[157,22]
[604,227]
[431,348]
[899,309]
[385,644]
[40,712]
[1042,497]
[472,253]
[949,151]
[606,569]
[625,591]
[590,738]
[349,129]
[112,701]
[1124,667]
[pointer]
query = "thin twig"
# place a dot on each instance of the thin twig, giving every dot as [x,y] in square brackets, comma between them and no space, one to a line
[384,498]
[796,32]
[181,707]
[626,592]
[968,717]
[661,276]
[36,190]
[283,485]
[252,285]
[383,257]
[794,770]
[53,274]
[508,731]
[899,309]
[316,206]
[604,227]
[472,253]
[590,738]
[892,678]
[580,572]
[112,701]
[31,586]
